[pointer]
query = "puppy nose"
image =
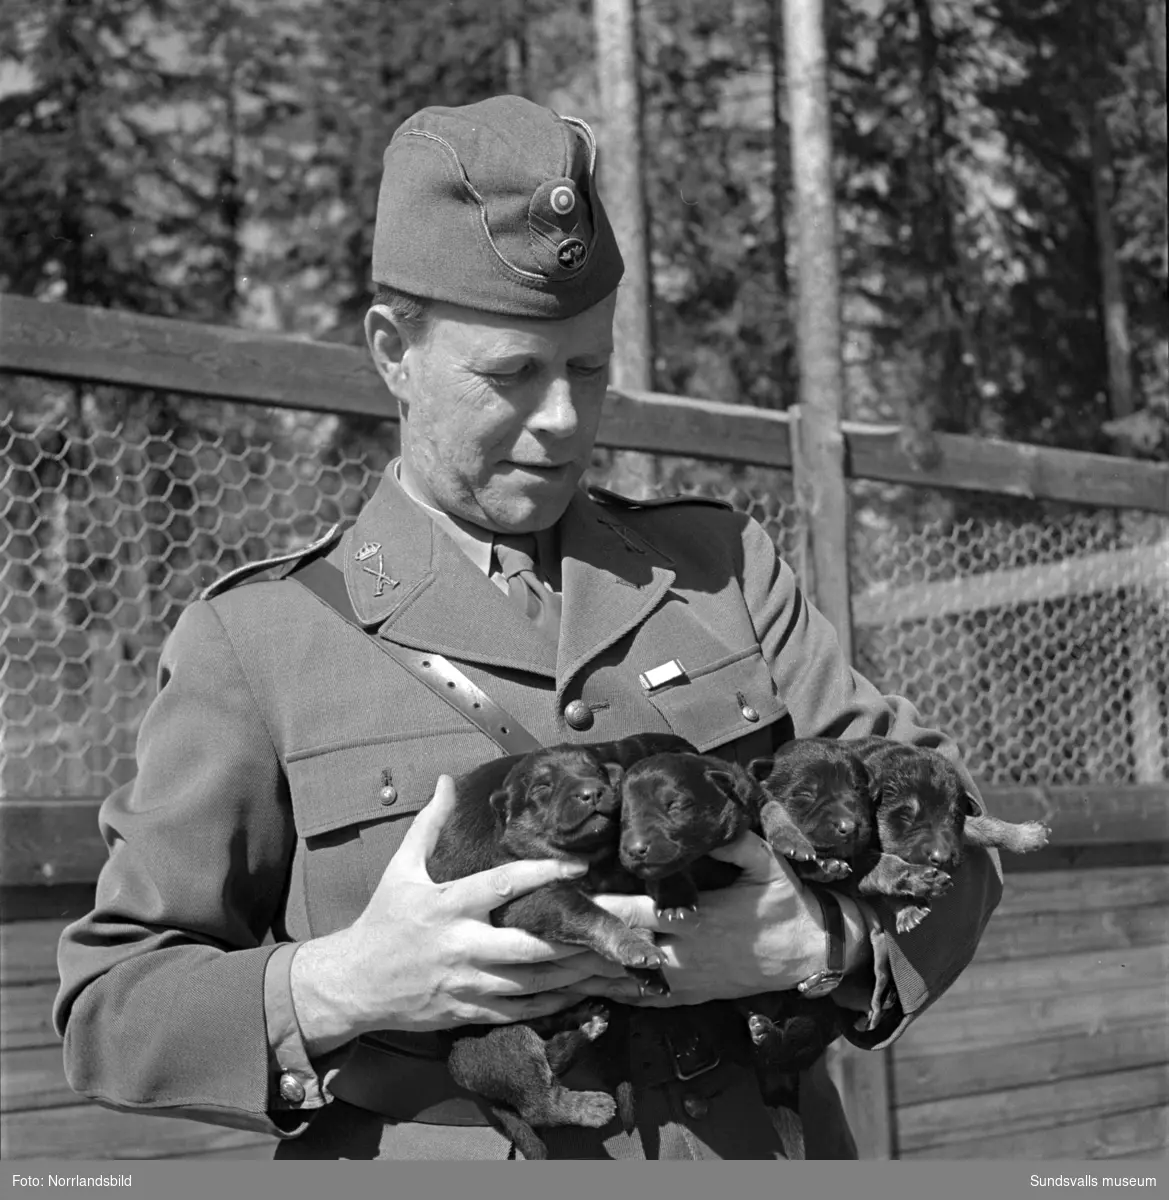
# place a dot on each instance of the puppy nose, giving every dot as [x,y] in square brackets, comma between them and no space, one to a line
[845,827]
[637,847]
[939,858]
[589,796]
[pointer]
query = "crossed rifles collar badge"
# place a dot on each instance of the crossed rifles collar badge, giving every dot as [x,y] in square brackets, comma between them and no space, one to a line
[367,551]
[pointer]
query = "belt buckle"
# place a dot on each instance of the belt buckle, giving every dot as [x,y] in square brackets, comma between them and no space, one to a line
[693,1057]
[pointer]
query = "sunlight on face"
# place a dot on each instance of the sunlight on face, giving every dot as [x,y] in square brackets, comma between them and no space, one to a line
[499,414]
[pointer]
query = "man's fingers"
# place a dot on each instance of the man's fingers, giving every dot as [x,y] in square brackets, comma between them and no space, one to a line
[757,859]
[489,889]
[422,836]
[638,913]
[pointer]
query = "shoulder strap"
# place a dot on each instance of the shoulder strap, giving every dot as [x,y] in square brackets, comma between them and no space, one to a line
[615,500]
[439,674]
[248,570]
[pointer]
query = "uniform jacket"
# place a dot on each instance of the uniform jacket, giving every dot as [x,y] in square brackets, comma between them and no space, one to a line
[265,763]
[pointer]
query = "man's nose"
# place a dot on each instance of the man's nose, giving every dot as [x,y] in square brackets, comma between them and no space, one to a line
[556,414]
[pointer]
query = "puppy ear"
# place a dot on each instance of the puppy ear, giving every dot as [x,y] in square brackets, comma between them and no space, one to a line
[727,782]
[615,772]
[970,805]
[500,801]
[760,769]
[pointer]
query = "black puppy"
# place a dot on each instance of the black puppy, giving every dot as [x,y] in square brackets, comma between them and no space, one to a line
[906,811]
[818,810]
[560,802]
[675,809]
[925,816]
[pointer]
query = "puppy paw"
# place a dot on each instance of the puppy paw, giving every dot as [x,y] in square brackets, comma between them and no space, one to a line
[594,1109]
[639,949]
[653,982]
[936,882]
[762,1029]
[676,914]
[797,851]
[1033,835]
[910,917]
[596,1022]
[830,870]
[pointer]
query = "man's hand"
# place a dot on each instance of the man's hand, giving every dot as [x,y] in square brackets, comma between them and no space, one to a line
[763,933]
[425,956]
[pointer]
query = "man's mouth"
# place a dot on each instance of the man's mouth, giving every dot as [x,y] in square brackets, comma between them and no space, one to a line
[548,470]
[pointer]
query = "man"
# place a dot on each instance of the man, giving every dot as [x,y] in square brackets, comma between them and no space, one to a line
[286,765]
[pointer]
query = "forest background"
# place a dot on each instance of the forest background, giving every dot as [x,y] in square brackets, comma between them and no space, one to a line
[1000,170]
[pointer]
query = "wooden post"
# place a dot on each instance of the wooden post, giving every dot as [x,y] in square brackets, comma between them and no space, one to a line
[623,188]
[818,444]
[820,482]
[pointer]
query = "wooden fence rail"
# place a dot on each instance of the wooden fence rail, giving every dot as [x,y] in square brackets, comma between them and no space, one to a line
[73,342]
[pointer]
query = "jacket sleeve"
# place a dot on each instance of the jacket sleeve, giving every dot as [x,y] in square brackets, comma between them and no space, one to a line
[827,698]
[162,996]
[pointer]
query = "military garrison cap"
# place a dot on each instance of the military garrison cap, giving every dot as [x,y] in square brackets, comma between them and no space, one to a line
[494,206]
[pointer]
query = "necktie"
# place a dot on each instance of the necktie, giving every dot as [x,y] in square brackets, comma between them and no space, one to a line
[516,556]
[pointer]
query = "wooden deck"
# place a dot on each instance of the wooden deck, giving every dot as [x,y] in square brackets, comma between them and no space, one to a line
[40,1116]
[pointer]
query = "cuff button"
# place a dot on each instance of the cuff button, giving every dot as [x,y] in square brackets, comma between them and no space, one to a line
[291,1089]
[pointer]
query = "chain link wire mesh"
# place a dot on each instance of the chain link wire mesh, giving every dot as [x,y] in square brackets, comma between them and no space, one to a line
[117,510]
[1036,635]
[1037,638]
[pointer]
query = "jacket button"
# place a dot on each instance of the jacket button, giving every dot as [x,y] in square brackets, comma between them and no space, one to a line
[388,794]
[579,715]
[291,1089]
[749,713]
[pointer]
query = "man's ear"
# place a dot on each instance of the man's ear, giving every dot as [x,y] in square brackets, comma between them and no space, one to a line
[388,343]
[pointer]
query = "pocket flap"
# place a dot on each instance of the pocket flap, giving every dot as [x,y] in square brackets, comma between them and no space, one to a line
[339,786]
[721,701]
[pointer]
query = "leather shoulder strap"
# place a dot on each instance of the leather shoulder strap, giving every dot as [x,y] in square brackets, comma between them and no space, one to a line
[439,674]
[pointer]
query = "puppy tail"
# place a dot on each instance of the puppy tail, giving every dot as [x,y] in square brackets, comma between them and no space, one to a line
[513,1126]
[1003,835]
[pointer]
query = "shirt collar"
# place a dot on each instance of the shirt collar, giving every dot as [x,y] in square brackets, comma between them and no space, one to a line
[476,542]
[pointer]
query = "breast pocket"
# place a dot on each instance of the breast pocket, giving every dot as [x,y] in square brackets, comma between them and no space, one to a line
[353,804]
[721,701]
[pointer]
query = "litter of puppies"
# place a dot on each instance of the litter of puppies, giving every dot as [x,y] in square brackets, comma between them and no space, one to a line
[868,817]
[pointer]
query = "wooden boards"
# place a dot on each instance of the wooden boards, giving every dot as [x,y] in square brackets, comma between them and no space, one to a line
[40,1115]
[1055,1041]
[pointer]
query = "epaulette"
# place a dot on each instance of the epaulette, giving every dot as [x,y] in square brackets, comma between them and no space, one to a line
[243,573]
[616,500]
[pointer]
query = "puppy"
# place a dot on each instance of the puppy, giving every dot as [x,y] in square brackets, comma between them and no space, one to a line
[880,816]
[818,810]
[675,809]
[560,802]
[924,818]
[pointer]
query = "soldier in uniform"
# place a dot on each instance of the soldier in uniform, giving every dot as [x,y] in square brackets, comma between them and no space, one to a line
[293,772]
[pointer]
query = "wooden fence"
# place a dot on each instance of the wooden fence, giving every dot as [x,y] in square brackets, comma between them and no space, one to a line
[1054,1043]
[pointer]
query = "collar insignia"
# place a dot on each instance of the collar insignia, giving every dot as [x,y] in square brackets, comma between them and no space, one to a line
[378,573]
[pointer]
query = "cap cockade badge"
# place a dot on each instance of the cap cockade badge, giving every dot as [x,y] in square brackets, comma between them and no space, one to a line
[572,253]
